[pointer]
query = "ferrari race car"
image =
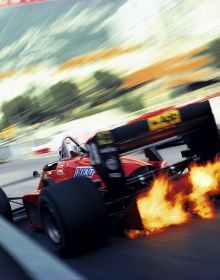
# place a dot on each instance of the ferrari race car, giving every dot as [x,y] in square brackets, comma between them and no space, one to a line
[94,188]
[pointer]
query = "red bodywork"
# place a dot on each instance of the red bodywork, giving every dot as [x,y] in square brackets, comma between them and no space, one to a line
[69,168]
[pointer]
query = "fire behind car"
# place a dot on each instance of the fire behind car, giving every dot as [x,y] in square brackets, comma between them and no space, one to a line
[89,190]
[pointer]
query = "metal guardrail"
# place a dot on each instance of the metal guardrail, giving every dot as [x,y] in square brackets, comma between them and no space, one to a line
[15,150]
[32,259]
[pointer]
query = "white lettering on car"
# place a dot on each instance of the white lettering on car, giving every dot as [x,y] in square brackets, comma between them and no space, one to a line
[87,171]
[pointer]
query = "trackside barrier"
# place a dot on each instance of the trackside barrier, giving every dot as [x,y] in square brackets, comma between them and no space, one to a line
[16,150]
[34,262]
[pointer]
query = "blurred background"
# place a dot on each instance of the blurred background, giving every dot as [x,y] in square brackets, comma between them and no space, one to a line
[73,67]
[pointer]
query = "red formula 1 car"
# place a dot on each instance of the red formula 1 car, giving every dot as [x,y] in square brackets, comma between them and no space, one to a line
[90,189]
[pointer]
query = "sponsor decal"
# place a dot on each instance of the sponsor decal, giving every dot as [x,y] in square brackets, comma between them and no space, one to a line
[59,171]
[167,118]
[104,138]
[87,171]
[10,3]
[111,164]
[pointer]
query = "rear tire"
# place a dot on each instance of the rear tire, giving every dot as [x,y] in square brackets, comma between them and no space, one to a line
[5,207]
[73,215]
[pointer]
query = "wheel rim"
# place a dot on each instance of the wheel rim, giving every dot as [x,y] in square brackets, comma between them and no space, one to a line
[51,228]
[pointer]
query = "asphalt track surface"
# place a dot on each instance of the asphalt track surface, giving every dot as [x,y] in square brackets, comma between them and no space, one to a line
[189,251]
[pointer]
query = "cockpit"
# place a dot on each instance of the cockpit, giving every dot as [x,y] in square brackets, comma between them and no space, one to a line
[70,148]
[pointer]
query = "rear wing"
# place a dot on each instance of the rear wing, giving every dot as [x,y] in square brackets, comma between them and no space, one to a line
[194,124]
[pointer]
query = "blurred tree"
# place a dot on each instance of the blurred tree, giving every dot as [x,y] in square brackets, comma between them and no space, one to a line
[107,84]
[65,96]
[47,105]
[3,123]
[130,103]
[27,109]
[107,80]
[34,113]
[22,109]
[214,48]
[14,109]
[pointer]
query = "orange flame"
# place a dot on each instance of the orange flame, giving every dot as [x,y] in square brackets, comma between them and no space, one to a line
[162,206]
[157,211]
[205,181]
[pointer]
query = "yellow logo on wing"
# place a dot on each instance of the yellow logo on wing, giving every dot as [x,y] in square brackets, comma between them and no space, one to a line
[167,118]
[104,138]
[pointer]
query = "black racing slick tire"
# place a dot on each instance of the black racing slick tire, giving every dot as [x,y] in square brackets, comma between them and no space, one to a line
[5,207]
[73,216]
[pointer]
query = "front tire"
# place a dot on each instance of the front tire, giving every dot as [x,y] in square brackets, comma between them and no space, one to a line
[73,215]
[5,207]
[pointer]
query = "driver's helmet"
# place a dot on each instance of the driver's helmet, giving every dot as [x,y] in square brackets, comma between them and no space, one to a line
[68,148]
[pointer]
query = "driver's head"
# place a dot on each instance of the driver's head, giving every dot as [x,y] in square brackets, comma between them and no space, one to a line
[71,147]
